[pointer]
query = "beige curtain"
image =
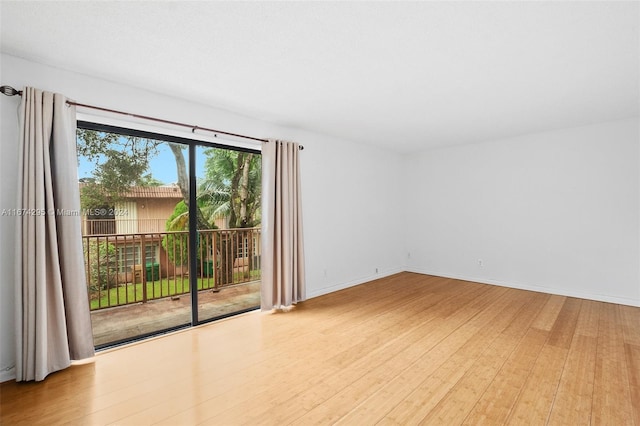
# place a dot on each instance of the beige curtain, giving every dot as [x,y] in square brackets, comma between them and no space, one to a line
[53,325]
[283,278]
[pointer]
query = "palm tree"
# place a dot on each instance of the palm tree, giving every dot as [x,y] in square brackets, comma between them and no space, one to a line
[233,184]
[231,188]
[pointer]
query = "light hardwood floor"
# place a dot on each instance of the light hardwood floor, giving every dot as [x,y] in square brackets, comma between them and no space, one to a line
[406,349]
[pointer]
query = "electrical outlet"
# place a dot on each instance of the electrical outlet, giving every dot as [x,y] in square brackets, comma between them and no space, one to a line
[480,263]
[376,270]
[409,255]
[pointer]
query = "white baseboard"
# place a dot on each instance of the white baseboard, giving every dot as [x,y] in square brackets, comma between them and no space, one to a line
[357,281]
[540,289]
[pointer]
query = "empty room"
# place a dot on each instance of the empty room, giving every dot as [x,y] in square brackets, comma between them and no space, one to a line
[352,213]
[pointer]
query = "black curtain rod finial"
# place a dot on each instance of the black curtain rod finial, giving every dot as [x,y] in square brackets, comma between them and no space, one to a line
[10,91]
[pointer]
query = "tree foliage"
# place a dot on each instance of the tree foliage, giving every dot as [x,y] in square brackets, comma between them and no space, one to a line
[231,188]
[233,185]
[176,245]
[120,162]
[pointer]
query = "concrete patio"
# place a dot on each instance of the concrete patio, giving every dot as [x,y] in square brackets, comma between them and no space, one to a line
[127,322]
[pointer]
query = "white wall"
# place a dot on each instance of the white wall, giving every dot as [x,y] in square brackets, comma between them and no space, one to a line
[350,194]
[556,212]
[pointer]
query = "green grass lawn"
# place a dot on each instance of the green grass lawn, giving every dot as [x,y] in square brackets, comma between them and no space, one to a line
[132,293]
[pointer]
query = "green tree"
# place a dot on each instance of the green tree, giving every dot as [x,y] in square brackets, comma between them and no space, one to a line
[176,245]
[232,186]
[120,162]
[149,180]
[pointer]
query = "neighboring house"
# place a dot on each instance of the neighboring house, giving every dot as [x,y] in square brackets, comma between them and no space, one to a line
[136,226]
[134,223]
[143,209]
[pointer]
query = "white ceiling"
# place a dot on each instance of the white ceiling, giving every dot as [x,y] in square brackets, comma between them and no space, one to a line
[406,75]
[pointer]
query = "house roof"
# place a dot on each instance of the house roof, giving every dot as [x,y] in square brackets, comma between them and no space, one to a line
[164,191]
[171,191]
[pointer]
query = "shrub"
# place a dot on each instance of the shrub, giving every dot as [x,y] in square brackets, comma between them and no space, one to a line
[102,263]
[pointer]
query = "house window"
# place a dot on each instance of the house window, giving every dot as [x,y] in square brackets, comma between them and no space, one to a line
[150,253]
[129,255]
[243,248]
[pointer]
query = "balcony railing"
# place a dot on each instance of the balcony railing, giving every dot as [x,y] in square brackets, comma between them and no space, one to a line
[131,268]
[121,226]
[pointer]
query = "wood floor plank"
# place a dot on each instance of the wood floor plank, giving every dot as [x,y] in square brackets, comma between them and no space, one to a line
[495,404]
[502,354]
[448,363]
[612,402]
[549,314]
[563,329]
[361,359]
[404,349]
[536,397]
[422,358]
[574,397]
[588,319]
[630,318]
[632,355]
[538,392]
[412,347]
[345,343]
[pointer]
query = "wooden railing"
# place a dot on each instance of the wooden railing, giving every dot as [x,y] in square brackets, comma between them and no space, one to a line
[121,226]
[122,269]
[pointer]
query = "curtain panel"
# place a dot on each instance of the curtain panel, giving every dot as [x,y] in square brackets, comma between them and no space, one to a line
[53,323]
[283,274]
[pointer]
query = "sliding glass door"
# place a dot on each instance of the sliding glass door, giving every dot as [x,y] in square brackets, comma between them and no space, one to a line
[228,194]
[170,231]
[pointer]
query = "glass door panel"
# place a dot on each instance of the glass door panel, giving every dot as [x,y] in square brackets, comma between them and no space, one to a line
[140,267]
[135,234]
[228,194]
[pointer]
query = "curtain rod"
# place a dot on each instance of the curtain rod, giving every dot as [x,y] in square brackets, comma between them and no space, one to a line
[10,91]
